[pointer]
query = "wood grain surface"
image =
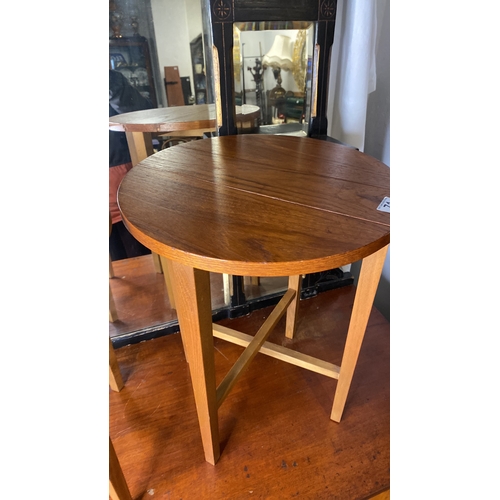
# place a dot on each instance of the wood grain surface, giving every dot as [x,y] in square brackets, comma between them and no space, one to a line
[258,205]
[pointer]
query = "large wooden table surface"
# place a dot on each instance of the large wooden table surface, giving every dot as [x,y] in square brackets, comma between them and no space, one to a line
[258,205]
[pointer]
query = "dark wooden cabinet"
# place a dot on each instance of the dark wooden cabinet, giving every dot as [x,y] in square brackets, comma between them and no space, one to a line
[225,15]
[130,56]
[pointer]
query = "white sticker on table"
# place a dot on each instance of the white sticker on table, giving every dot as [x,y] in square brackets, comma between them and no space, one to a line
[385,205]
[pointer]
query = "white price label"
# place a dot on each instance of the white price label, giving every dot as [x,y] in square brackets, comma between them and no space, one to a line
[385,206]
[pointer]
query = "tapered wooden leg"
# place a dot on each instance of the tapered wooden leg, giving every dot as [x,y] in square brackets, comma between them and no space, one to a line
[251,280]
[294,282]
[113,315]
[194,311]
[167,273]
[157,263]
[111,270]
[140,146]
[118,489]
[227,284]
[115,377]
[369,277]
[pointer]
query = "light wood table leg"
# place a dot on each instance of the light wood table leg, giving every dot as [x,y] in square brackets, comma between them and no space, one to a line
[369,277]
[157,263]
[115,377]
[251,280]
[194,311]
[294,283]
[227,284]
[118,489]
[140,146]
[111,270]
[166,265]
[113,315]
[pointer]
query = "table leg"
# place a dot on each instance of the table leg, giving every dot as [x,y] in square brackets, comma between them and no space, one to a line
[115,376]
[113,315]
[118,488]
[157,264]
[166,265]
[369,277]
[194,311]
[140,146]
[294,282]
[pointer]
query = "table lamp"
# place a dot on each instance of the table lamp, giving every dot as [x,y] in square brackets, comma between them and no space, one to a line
[279,58]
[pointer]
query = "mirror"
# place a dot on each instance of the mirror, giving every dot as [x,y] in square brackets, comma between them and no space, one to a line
[272,71]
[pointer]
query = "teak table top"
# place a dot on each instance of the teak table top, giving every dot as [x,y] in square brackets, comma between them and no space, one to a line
[177,118]
[258,205]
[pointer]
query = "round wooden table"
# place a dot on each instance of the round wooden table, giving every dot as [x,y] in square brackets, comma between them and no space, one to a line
[258,205]
[178,120]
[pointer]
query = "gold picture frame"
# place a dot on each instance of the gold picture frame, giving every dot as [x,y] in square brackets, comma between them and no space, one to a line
[300,60]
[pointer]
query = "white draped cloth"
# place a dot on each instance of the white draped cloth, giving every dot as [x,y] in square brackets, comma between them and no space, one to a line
[353,74]
[352,70]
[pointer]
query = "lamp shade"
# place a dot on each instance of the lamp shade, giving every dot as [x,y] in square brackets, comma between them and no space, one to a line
[280,55]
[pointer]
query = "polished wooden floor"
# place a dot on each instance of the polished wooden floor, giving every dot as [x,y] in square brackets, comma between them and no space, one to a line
[278,441]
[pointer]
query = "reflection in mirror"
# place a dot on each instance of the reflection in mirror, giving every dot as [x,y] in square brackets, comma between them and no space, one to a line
[272,70]
[170,32]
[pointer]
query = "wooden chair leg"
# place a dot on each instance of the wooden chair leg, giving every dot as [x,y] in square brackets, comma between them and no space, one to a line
[115,377]
[369,277]
[118,488]
[294,283]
